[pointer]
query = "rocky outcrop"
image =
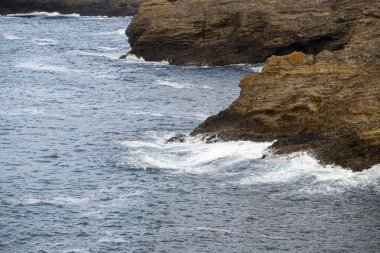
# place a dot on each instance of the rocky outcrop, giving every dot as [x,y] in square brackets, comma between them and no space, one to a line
[220,32]
[325,104]
[83,7]
[321,93]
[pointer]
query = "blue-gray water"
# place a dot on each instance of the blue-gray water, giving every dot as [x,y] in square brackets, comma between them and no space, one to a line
[85,168]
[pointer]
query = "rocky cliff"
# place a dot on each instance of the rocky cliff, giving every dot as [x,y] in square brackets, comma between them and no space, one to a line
[321,93]
[219,32]
[83,7]
[325,104]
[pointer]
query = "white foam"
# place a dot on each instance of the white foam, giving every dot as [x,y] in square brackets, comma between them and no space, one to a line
[152,114]
[193,156]
[220,230]
[34,111]
[172,84]
[318,179]
[77,251]
[38,66]
[109,48]
[96,17]
[115,32]
[9,36]
[201,116]
[134,58]
[112,56]
[257,69]
[121,32]
[44,14]
[59,200]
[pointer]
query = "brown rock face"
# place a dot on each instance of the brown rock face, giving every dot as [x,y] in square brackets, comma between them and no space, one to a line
[220,32]
[321,103]
[83,7]
[324,97]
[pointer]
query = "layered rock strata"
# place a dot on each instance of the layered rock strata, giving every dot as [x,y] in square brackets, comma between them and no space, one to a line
[83,7]
[220,32]
[324,97]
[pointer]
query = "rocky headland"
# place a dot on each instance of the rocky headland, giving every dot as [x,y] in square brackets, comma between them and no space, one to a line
[82,7]
[319,90]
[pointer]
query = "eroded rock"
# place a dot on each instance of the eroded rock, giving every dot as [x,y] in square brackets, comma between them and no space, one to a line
[220,32]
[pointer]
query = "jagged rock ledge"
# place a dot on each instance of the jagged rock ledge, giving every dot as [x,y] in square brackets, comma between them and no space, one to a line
[321,94]
[83,7]
[317,103]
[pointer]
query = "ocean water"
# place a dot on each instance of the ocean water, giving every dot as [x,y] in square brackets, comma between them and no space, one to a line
[85,166]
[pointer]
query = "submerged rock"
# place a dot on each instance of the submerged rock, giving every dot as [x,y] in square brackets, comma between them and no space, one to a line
[320,93]
[83,7]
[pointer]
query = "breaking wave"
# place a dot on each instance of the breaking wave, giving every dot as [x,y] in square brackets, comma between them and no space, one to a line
[194,155]
[134,58]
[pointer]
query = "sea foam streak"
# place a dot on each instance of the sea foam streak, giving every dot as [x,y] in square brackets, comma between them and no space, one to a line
[196,156]
[301,166]
[44,14]
[9,36]
[172,84]
[112,56]
[38,66]
[59,200]
[192,156]
[116,32]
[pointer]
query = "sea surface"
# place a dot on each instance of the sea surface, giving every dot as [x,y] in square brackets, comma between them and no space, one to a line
[85,166]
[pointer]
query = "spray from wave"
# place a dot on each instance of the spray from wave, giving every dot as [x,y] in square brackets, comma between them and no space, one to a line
[245,160]
[131,58]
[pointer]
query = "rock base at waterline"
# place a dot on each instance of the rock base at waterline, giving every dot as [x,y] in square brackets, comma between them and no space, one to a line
[320,103]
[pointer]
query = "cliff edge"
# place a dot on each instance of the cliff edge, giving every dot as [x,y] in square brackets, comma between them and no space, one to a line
[321,93]
[220,32]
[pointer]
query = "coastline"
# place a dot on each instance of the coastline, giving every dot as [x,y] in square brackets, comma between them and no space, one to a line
[321,94]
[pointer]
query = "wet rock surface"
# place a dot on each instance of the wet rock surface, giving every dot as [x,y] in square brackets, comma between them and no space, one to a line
[84,7]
